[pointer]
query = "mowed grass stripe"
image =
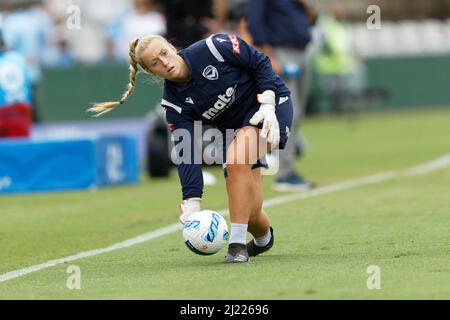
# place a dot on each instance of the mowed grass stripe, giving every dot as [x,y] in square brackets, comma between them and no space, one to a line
[437,164]
[323,248]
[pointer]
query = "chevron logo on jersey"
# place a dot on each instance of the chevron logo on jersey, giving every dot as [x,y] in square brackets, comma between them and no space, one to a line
[211,73]
[189,100]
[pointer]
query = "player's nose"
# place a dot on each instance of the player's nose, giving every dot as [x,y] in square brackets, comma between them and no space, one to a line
[164,61]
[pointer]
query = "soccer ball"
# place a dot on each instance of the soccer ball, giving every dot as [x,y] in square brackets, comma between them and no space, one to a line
[205,232]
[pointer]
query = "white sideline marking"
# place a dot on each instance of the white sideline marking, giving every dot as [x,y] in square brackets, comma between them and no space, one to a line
[425,168]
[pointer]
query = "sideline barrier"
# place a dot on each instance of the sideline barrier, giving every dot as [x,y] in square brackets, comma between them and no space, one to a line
[67,164]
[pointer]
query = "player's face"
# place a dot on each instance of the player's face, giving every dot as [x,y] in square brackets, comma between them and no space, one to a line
[161,59]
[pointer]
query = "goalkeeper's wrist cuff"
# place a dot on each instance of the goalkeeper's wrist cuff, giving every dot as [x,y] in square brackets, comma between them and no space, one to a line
[192,201]
[267,97]
[191,204]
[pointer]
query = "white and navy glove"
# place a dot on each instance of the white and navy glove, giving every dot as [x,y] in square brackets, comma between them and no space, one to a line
[188,207]
[271,129]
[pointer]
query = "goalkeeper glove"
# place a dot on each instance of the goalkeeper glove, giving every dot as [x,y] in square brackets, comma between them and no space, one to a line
[266,113]
[188,207]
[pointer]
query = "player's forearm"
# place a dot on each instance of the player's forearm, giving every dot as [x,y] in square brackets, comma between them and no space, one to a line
[267,49]
[221,10]
[257,24]
[310,11]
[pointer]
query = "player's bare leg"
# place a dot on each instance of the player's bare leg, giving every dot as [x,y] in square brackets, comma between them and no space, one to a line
[259,221]
[259,224]
[242,187]
[244,192]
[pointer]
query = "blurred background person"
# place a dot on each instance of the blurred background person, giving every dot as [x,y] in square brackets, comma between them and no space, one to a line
[282,30]
[342,74]
[191,20]
[25,30]
[86,43]
[142,19]
[56,52]
[15,94]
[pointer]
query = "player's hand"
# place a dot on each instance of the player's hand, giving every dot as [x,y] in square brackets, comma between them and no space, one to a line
[188,207]
[266,114]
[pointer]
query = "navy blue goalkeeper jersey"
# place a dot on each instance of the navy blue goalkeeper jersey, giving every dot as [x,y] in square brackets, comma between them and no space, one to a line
[226,76]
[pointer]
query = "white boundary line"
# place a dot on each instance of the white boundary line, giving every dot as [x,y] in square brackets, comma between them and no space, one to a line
[425,168]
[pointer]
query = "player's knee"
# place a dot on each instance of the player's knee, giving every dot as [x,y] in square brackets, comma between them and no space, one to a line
[236,169]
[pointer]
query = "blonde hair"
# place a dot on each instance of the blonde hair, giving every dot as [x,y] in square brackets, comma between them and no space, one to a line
[137,46]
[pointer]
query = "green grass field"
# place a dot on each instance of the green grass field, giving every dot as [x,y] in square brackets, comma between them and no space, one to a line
[323,247]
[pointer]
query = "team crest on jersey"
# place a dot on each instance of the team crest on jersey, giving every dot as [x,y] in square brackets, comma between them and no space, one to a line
[211,73]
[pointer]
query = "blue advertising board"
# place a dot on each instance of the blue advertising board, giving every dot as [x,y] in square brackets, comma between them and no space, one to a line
[57,164]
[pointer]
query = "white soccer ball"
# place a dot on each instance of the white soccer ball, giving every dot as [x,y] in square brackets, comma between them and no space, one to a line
[205,232]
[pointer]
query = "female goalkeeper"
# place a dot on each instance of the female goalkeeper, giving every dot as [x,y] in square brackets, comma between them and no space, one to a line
[223,82]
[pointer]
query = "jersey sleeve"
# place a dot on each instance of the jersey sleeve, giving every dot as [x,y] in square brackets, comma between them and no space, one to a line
[188,154]
[233,50]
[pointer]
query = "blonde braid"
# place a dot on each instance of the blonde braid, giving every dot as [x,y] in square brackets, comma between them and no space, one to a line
[104,107]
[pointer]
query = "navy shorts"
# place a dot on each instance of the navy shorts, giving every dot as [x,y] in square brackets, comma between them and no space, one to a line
[284,112]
